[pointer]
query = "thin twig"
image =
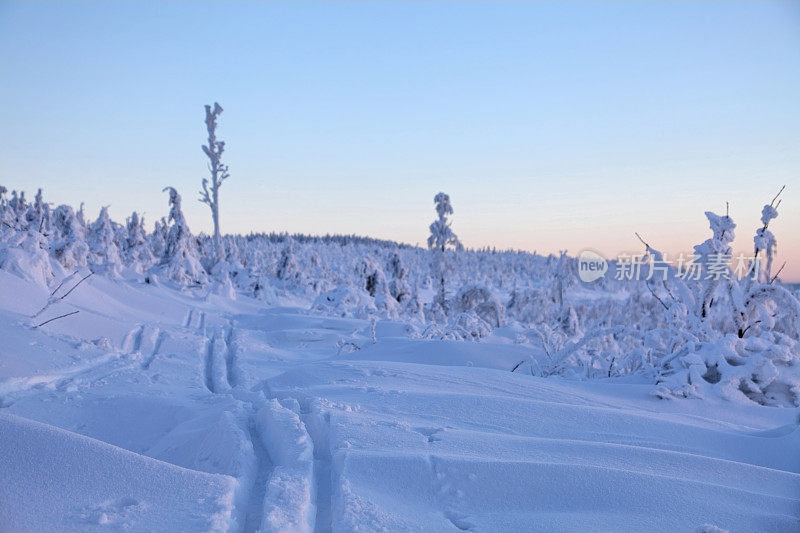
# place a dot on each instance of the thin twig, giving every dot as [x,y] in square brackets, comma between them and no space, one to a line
[640,238]
[60,285]
[748,327]
[54,299]
[56,318]
[76,285]
[778,272]
[655,295]
[776,196]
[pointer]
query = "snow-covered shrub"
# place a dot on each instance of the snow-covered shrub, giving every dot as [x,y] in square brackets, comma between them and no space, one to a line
[741,343]
[528,306]
[480,300]
[25,254]
[345,302]
[467,326]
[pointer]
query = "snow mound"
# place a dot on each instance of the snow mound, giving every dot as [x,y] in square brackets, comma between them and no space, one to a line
[55,480]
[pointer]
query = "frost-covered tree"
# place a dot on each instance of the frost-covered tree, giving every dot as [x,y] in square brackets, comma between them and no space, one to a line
[19,206]
[135,247]
[288,268]
[68,242]
[376,286]
[442,238]
[158,239]
[103,251]
[38,215]
[180,261]
[219,171]
[81,216]
[398,286]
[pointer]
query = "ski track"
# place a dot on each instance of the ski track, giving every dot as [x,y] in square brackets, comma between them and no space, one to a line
[187,320]
[17,387]
[208,364]
[85,375]
[132,342]
[220,344]
[254,511]
[231,373]
[255,502]
[160,336]
[317,425]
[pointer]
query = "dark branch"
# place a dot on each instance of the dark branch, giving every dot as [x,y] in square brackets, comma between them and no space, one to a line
[56,318]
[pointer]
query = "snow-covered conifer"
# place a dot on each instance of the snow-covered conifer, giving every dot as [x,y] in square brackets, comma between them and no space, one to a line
[135,247]
[38,215]
[68,242]
[288,269]
[180,261]
[398,286]
[442,238]
[103,251]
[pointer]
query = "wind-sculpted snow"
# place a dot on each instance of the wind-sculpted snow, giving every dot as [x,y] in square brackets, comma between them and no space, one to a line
[56,480]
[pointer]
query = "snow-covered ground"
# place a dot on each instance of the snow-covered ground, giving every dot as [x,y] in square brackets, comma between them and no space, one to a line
[158,410]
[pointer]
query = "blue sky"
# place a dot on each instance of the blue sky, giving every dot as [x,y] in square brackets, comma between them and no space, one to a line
[552,126]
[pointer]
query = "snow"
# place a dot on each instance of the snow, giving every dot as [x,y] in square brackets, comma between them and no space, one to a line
[156,409]
[57,480]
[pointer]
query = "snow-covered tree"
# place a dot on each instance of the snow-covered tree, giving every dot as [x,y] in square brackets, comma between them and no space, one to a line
[38,215]
[219,171]
[19,206]
[135,247]
[68,242]
[398,286]
[442,238]
[103,251]
[180,261]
